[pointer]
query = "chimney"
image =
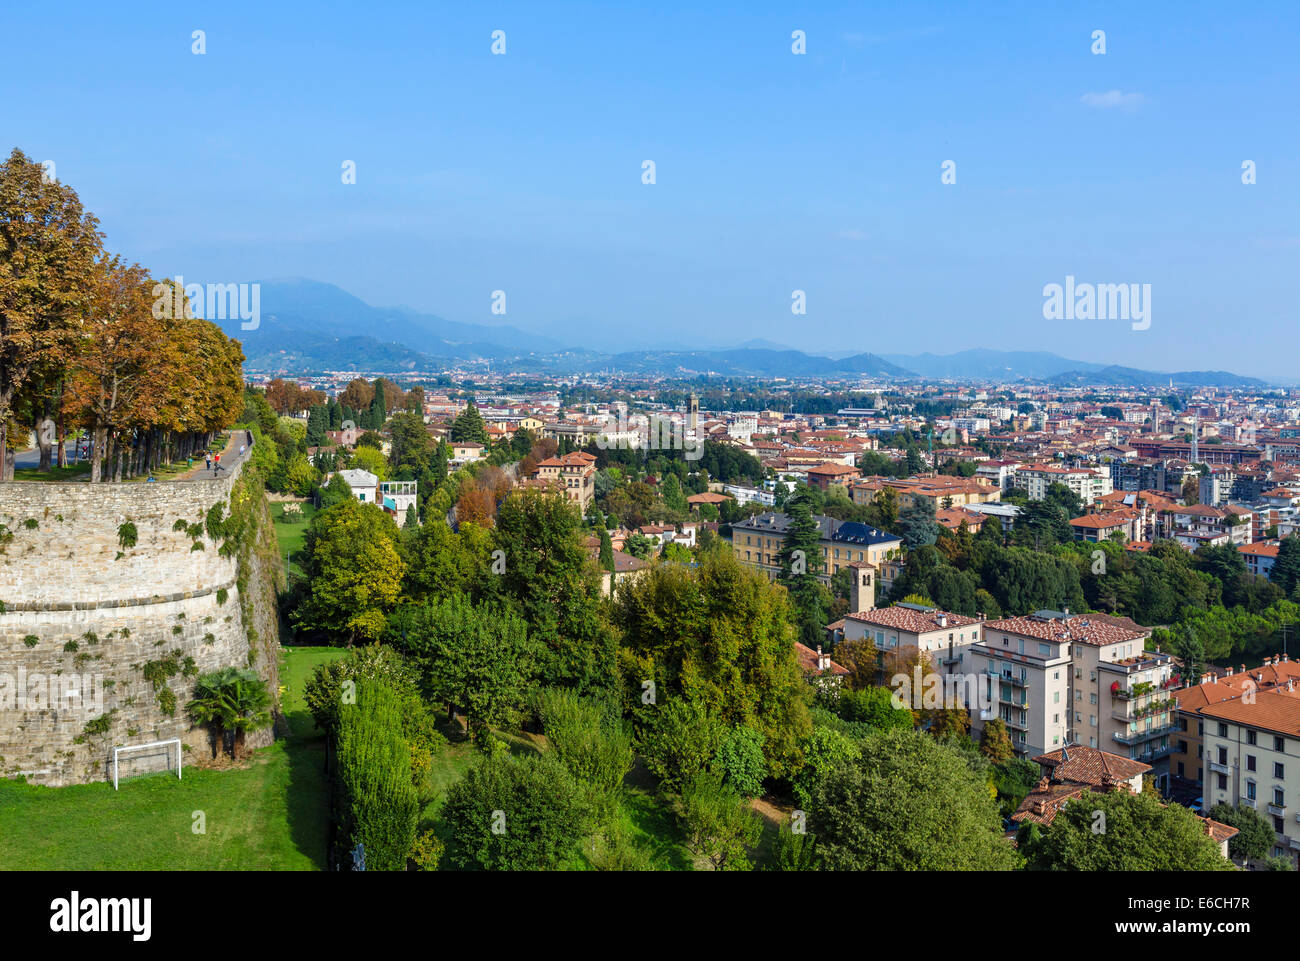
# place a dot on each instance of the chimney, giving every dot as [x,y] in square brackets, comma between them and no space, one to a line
[822,660]
[943,619]
[1228,672]
[1242,669]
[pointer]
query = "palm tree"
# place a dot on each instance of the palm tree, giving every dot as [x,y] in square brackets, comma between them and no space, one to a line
[232,702]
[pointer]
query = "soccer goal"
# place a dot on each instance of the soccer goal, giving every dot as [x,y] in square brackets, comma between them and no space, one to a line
[146,747]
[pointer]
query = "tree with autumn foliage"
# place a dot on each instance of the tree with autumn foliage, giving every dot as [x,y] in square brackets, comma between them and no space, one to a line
[87,341]
[49,247]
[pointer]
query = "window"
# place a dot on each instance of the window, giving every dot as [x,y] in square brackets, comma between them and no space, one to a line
[1223,755]
[1250,762]
[1223,729]
[1279,798]
[1279,771]
[1092,720]
[1250,790]
[1250,737]
[1045,650]
[1223,782]
[1279,744]
[1092,698]
[1182,749]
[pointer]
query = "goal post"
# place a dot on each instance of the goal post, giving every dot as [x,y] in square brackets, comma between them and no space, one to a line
[145,747]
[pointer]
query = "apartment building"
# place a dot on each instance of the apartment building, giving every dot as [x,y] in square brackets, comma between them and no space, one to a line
[1252,759]
[1187,759]
[1087,484]
[830,474]
[574,473]
[1102,527]
[1195,524]
[946,638]
[758,541]
[1083,678]
[937,491]
[1260,558]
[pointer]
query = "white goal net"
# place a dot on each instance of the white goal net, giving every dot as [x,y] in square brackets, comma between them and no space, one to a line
[147,756]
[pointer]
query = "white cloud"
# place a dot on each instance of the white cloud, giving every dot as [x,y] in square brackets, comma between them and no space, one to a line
[1112,99]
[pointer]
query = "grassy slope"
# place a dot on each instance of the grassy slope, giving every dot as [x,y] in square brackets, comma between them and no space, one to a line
[270,815]
[289,534]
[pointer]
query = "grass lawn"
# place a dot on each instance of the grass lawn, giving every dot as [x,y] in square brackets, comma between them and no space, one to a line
[69,473]
[289,532]
[271,814]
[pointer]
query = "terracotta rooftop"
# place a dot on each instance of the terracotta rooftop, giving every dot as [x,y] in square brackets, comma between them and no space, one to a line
[911,620]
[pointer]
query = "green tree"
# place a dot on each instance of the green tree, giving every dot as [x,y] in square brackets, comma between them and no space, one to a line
[469,426]
[718,635]
[592,742]
[474,657]
[995,741]
[1286,570]
[1120,831]
[740,761]
[233,702]
[550,577]
[718,823]
[908,803]
[376,804]
[801,564]
[1255,839]
[679,741]
[917,525]
[515,814]
[353,570]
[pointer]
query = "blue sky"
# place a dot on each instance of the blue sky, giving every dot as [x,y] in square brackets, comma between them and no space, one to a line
[774,172]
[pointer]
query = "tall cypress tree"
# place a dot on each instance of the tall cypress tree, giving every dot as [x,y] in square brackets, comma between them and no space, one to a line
[317,424]
[801,562]
[378,412]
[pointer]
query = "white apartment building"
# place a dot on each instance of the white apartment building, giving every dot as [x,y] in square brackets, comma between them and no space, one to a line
[1060,679]
[1252,758]
[1087,483]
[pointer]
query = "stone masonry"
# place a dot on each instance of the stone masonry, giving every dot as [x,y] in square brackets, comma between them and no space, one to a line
[86,616]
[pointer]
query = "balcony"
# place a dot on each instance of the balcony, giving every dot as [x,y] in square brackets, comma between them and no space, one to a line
[1155,754]
[1247,802]
[1137,737]
[1277,810]
[1022,702]
[1218,768]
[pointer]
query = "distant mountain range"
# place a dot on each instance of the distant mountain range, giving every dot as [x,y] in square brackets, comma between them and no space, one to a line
[308,325]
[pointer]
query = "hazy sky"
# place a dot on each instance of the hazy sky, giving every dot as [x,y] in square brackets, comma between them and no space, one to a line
[775,171]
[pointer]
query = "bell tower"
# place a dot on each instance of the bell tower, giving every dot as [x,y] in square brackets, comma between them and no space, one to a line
[862,593]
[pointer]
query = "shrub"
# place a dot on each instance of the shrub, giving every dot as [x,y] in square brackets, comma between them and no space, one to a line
[594,746]
[375,802]
[127,535]
[515,814]
[740,761]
